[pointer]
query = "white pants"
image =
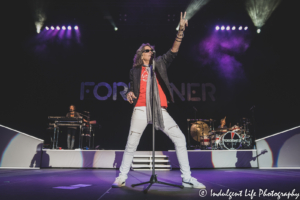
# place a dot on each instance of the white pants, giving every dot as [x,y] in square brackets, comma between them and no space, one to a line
[137,127]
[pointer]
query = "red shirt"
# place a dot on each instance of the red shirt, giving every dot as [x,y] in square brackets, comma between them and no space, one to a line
[143,87]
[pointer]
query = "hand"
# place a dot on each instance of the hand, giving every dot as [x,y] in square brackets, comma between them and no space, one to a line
[130,97]
[183,22]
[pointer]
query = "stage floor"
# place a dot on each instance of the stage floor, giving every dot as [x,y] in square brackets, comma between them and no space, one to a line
[95,184]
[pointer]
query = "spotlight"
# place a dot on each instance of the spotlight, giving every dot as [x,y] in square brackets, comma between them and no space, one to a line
[228,28]
[76,27]
[233,28]
[246,28]
[258,30]
[69,27]
[52,28]
[240,28]
[222,28]
[58,28]
[47,28]
[194,7]
[260,11]
[217,28]
[116,28]
[63,28]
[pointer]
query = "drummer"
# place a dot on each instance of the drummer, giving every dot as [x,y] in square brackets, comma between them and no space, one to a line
[223,123]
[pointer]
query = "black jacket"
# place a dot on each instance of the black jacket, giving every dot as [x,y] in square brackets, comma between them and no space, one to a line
[161,65]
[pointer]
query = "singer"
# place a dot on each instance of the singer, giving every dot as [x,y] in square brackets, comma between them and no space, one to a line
[140,95]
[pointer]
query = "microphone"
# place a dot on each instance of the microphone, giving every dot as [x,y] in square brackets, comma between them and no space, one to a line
[153,53]
[86,111]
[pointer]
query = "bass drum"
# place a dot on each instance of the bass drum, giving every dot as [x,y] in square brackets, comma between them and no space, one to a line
[230,140]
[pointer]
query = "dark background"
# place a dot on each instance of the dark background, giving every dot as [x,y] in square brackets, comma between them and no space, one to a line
[41,76]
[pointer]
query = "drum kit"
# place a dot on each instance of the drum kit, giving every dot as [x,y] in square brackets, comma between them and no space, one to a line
[235,137]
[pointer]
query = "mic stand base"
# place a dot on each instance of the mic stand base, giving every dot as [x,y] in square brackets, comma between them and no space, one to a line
[153,179]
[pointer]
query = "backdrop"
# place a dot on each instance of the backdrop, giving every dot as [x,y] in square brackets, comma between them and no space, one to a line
[215,74]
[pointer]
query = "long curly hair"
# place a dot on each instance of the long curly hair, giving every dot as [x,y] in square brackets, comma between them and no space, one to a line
[137,60]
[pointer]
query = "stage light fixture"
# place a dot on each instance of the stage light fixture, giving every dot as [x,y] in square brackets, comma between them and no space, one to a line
[52,28]
[246,28]
[116,28]
[222,28]
[217,28]
[240,28]
[39,9]
[57,28]
[38,26]
[69,27]
[47,28]
[63,28]
[258,30]
[76,27]
[233,28]
[228,28]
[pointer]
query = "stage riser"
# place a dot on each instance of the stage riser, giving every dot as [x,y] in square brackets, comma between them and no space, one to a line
[19,150]
[113,158]
[280,150]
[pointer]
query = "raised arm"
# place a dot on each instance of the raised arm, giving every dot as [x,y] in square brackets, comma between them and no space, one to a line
[182,24]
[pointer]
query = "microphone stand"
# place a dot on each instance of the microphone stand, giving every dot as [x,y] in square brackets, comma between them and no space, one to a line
[153,178]
[254,124]
[254,131]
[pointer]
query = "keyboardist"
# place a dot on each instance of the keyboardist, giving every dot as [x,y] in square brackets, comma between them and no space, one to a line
[72,130]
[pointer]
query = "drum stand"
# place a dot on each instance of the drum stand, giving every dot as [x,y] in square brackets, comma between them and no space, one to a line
[200,146]
[212,129]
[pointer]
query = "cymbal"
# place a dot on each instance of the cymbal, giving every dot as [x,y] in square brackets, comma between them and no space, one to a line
[222,129]
[198,130]
[212,132]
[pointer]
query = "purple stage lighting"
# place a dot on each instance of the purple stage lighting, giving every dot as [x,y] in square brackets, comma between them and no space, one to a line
[52,28]
[246,28]
[228,28]
[69,27]
[57,28]
[47,28]
[76,27]
[222,28]
[233,28]
[240,28]
[217,28]
[63,28]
